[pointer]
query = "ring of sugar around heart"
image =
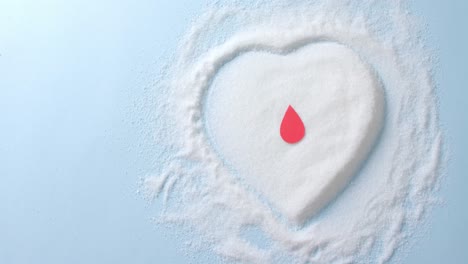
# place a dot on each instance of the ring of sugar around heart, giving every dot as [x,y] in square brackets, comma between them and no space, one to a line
[204,186]
[339,99]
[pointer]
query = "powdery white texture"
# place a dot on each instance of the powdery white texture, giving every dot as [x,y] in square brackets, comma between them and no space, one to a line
[337,97]
[388,197]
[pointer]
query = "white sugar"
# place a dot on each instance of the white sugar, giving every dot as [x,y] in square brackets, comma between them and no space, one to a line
[224,177]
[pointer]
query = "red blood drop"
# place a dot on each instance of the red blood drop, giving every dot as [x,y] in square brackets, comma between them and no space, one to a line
[292,129]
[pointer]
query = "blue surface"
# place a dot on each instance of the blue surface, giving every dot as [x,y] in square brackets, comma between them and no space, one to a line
[69,73]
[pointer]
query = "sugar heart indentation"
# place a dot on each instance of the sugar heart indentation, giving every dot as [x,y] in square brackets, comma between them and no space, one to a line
[339,98]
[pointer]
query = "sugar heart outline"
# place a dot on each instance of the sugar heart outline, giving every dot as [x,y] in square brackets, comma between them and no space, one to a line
[218,63]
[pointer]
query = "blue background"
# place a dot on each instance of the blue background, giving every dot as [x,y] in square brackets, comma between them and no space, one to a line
[69,73]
